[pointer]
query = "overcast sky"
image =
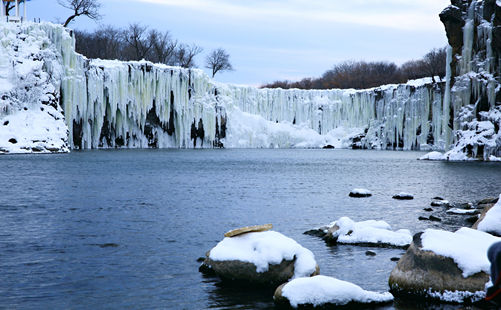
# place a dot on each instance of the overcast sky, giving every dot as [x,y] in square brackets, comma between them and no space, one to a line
[280,39]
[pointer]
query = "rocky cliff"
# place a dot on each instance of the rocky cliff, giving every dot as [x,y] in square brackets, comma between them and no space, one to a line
[473,93]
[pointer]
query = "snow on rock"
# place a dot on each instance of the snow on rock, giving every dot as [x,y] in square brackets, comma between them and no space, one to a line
[321,291]
[432,156]
[494,158]
[360,192]
[371,232]
[31,119]
[403,196]
[491,222]
[462,211]
[264,249]
[440,203]
[467,247]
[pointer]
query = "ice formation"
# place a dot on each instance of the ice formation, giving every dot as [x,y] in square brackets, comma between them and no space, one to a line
[264,249]
[140,104]
[321,290]
[473,80]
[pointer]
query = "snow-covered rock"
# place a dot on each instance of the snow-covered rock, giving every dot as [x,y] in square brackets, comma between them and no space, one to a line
[322,291]
[490,221]
[31,119]
[440,203]
[360,192]
[462,211]
[432,156]
[403,196]
[267,258]
[443,265]
[372,233]
[467,247]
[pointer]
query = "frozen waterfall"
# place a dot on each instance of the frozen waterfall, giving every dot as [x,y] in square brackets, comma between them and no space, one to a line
[140,104]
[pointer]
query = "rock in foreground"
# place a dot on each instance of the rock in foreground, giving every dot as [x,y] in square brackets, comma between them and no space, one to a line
[445,266]
[322,291]
[264,258]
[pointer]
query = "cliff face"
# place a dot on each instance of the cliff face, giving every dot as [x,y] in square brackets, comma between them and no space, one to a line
[473,93]
[53,99]
[140,104]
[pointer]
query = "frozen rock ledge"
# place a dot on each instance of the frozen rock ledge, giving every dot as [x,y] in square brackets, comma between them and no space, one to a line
[322,291]
[265,258]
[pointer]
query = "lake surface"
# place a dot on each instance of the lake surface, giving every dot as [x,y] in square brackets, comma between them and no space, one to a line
[123,229]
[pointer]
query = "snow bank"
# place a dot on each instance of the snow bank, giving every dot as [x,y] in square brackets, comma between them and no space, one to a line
[321,290]
[492,220]
[369,232]
[467,247]
[263,249]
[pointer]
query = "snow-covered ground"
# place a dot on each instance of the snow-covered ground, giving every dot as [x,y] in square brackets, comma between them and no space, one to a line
[264,249]
[320,290]
[369,232]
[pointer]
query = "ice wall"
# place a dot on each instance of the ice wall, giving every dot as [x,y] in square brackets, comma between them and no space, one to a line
[140,104]
[472,93]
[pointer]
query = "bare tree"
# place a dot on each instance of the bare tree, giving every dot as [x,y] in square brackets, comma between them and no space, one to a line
[435,62]
[8,6]
[163,47]
[218,60]
[138,45]
[89,8]
[104,43]
[185,55]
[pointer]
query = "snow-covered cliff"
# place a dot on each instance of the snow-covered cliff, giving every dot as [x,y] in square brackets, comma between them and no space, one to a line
[473,83]
[140,104]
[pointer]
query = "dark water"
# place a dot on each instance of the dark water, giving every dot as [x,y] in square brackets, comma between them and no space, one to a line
[123,229]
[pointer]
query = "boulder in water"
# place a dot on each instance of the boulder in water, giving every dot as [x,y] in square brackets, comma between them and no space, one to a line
[360,193]
[444,266]
[264,258]
[326,293]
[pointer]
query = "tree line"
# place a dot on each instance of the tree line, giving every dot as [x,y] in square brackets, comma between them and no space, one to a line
[137,42]
[361,74]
